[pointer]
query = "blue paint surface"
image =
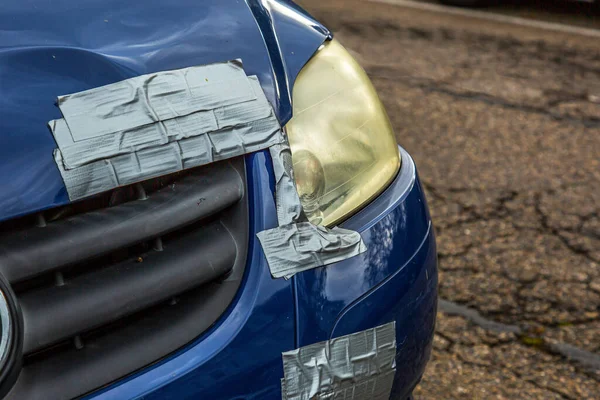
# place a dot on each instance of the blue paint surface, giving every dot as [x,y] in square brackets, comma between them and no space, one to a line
[240,357]
[394,280]
[50,48]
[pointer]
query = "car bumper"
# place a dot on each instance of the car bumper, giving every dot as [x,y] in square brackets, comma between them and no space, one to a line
[395,280]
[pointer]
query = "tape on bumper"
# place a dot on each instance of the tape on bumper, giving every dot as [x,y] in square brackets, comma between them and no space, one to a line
[359,366]
[298,247]
[160,123]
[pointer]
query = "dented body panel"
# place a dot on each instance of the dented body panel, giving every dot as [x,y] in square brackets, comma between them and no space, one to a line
[53,48]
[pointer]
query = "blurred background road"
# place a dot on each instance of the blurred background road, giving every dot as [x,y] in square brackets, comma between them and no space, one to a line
[503,121]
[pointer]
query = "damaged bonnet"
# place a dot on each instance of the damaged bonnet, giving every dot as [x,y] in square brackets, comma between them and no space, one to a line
[164,122]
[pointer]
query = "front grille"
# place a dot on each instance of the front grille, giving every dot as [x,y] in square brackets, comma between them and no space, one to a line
[111,284]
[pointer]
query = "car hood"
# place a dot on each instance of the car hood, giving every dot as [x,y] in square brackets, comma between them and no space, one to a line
[53,48]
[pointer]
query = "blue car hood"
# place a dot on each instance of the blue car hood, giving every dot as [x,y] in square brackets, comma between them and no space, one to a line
[51,48]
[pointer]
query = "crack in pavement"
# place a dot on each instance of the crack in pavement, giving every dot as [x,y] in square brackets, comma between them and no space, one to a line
[499,211]
[473,316]
[433,86]
[583,358]
[573,353]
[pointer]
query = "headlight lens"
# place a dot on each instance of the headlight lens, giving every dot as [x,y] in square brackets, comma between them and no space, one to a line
[343,148]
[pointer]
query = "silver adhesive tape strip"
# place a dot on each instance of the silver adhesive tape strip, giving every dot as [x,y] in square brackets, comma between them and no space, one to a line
[293,248]
[158,124]
[359,366]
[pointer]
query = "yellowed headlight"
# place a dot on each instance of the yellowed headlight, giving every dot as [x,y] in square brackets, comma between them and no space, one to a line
[343,147]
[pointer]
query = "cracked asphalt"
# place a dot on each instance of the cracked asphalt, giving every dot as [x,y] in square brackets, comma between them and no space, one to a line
[504,125]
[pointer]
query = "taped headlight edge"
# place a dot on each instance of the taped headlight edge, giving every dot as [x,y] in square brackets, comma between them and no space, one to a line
[343,144]
[156,124]
[287,201]
[297,245]
[357,366]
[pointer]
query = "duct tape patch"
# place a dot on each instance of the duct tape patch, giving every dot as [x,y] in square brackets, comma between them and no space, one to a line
[298,247]
[160,123]
[359,366]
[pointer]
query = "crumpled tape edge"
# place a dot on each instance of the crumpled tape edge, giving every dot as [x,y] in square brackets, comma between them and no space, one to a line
[336,368]
[287,202]
[301,246]
[286,258]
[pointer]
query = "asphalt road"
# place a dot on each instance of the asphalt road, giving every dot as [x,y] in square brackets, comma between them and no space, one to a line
[503,122]
[582,13]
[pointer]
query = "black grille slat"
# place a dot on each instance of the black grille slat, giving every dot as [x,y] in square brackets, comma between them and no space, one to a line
[114,283]
[108,357]
[54,313]
[31,252]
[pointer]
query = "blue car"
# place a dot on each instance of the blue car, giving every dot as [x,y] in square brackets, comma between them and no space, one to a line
[124,278]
